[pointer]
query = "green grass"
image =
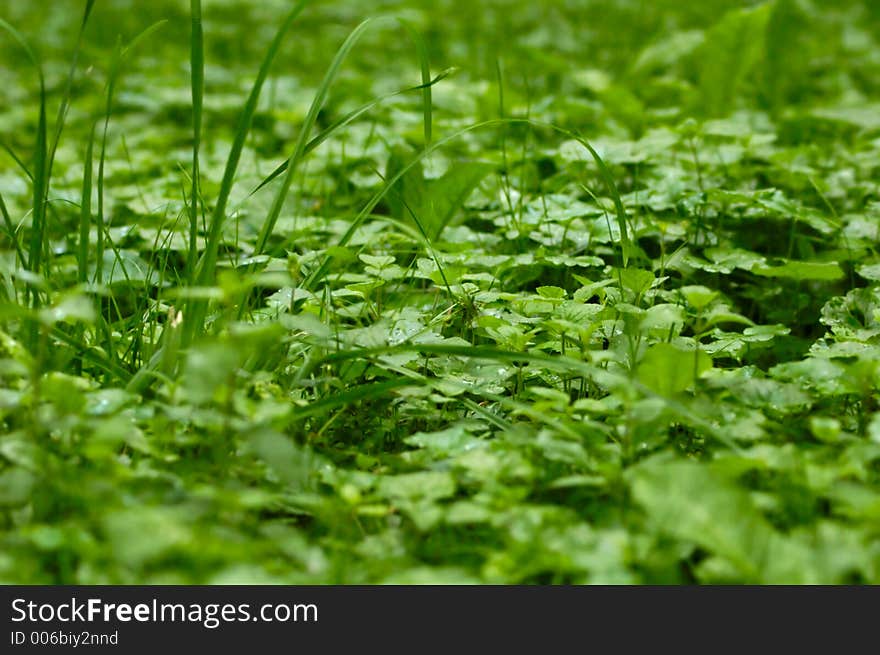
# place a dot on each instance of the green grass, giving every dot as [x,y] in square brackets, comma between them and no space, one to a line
[299,292]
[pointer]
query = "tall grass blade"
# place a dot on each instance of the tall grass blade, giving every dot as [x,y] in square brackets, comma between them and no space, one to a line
[197,75]
[305,130]
[40,184]
[318,102]
[120,57]
[68,90]
[39,174]
[350,117]
[319,272]
[85,213]
[10,229]
[24,168]
[102,157]
[301,147]
[195,312]
[608,179]
[114,371]
[351,396]
[425,65]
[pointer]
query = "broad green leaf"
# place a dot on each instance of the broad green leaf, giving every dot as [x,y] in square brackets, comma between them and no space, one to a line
[870,272]
[666,52]
[432,202]
[70,309]
[423,486]
[687,500]
[827,271]
[874,428]
[451,441]
[788,31]
[380,261]
[15,487]
[168,529]
[668,370]
[731,49]
[698,297]
[635,280]
[551,293]
[663,317]
[291,463]
[125,267]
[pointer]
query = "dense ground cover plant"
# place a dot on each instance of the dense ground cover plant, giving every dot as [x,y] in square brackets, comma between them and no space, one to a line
[500,292]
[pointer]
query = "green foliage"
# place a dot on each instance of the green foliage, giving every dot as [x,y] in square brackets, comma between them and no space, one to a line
[280,303]
[432,203]
[667,370]
[732,48]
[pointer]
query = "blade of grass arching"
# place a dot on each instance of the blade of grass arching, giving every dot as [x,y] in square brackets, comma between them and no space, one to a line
[85,213]
[561,363]
[426,240]
[68,90]
[10,229]
[102,157]
[312,116]
[425,65]
[120,55]
[408,377]
[39,175]
[346,120]
[93,355]
[505,163]
[608,179]
[376,389]
[194,314]
[305,131]
[518,407]
[381,389]
[318,273]
[141,37]
[18,161]
[40,187]
[351,395]
[85,221]
[495,420]
[554,362]
[197,80]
